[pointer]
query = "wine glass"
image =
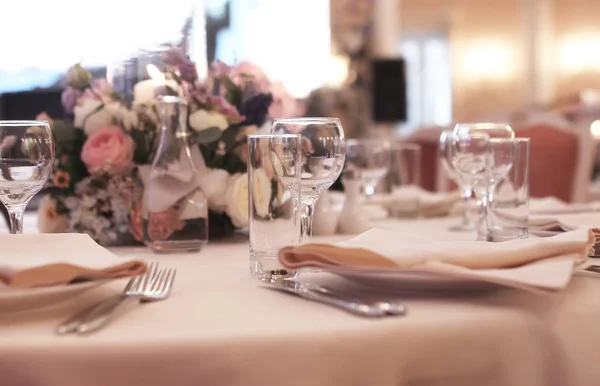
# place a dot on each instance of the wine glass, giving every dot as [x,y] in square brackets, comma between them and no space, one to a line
[445,154]
[368,160]
[483,155]
[323,154]
[26,159]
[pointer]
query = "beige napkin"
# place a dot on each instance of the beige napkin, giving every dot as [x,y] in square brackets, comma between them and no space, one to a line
[430,204]
[541,263]
[39,260]
[552,205]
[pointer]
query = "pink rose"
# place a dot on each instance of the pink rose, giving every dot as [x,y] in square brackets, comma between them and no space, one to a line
[246,74]
[284,105]
[108,149]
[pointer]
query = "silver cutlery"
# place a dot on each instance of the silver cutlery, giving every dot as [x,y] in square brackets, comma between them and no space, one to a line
[153,290]
[72,324]
[324,295]
[154,285]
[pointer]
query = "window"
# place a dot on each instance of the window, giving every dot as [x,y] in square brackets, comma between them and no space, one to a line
[37,48]
[429,89]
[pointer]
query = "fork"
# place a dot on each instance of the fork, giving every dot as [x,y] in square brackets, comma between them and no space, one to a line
[134,288]
[159,288]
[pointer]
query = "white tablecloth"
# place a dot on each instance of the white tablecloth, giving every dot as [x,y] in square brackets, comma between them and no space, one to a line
[221,328]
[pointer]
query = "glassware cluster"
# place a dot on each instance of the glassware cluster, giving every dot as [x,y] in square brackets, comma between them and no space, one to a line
[480,157]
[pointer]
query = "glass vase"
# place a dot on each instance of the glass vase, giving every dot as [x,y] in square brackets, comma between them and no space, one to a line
[175,210]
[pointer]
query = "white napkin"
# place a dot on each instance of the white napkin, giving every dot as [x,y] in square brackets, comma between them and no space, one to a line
[55,259]
[544,264]
[164,189]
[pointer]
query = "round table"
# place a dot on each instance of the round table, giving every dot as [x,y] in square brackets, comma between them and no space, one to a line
[220,327]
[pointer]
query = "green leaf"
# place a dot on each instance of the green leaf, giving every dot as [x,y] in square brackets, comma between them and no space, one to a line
[64,131]
[142,147]
[234,93]
[209,135]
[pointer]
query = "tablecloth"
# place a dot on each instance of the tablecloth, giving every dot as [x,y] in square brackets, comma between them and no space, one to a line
[220,327]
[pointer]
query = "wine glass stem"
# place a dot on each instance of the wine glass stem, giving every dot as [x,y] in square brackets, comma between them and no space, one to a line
[15,213]
[307,220]
[467,192]
[481,194]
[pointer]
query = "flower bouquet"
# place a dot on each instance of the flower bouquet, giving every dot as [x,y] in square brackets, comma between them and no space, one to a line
[107,142]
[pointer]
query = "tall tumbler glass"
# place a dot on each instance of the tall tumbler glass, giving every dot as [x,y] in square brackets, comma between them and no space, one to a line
[508,217]
[274,170]
[405,179]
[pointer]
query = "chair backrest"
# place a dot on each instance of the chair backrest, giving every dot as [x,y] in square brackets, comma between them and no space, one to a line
[557,165]
[427,138]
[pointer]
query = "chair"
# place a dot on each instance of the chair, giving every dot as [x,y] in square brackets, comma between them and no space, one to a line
[560,162]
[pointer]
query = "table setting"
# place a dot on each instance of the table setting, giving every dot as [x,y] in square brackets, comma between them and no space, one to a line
[481,285]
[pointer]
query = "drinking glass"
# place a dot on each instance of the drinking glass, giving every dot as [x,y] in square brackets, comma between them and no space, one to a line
[323,152]
[445,154]
[26,159]
[483,162]
[508,217]
[368,160]
[273,191]
[492,130]
[405,179]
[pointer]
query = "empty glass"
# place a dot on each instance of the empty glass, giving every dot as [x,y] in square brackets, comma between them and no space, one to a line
[405,179]
[26,160]
[368,160]
[274,168]
[445,154]
[323,152]
[483,158]
[508,214]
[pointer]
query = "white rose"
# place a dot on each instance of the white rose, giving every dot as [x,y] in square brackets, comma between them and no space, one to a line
[92,116]
[204,119]
[213,183]
[237,199]
[48,220]
[261,192]
[130,119]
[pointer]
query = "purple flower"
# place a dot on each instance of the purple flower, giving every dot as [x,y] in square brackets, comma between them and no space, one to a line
[219,69]
[188,71]
[69,99]
[175,57]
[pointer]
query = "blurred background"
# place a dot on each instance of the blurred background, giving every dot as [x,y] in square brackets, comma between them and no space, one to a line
[380,65]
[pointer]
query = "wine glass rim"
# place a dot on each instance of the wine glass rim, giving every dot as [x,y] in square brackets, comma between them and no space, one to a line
[513,140]
[274,136]
[350,141]
[484,124]
[307,120]
[19,123]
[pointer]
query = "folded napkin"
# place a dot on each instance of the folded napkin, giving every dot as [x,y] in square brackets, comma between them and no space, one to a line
[548,225]
[552,205]
[512,263]
[39,260]
[429,204]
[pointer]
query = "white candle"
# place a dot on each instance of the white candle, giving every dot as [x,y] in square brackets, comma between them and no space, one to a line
[146,91]
[143,92]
